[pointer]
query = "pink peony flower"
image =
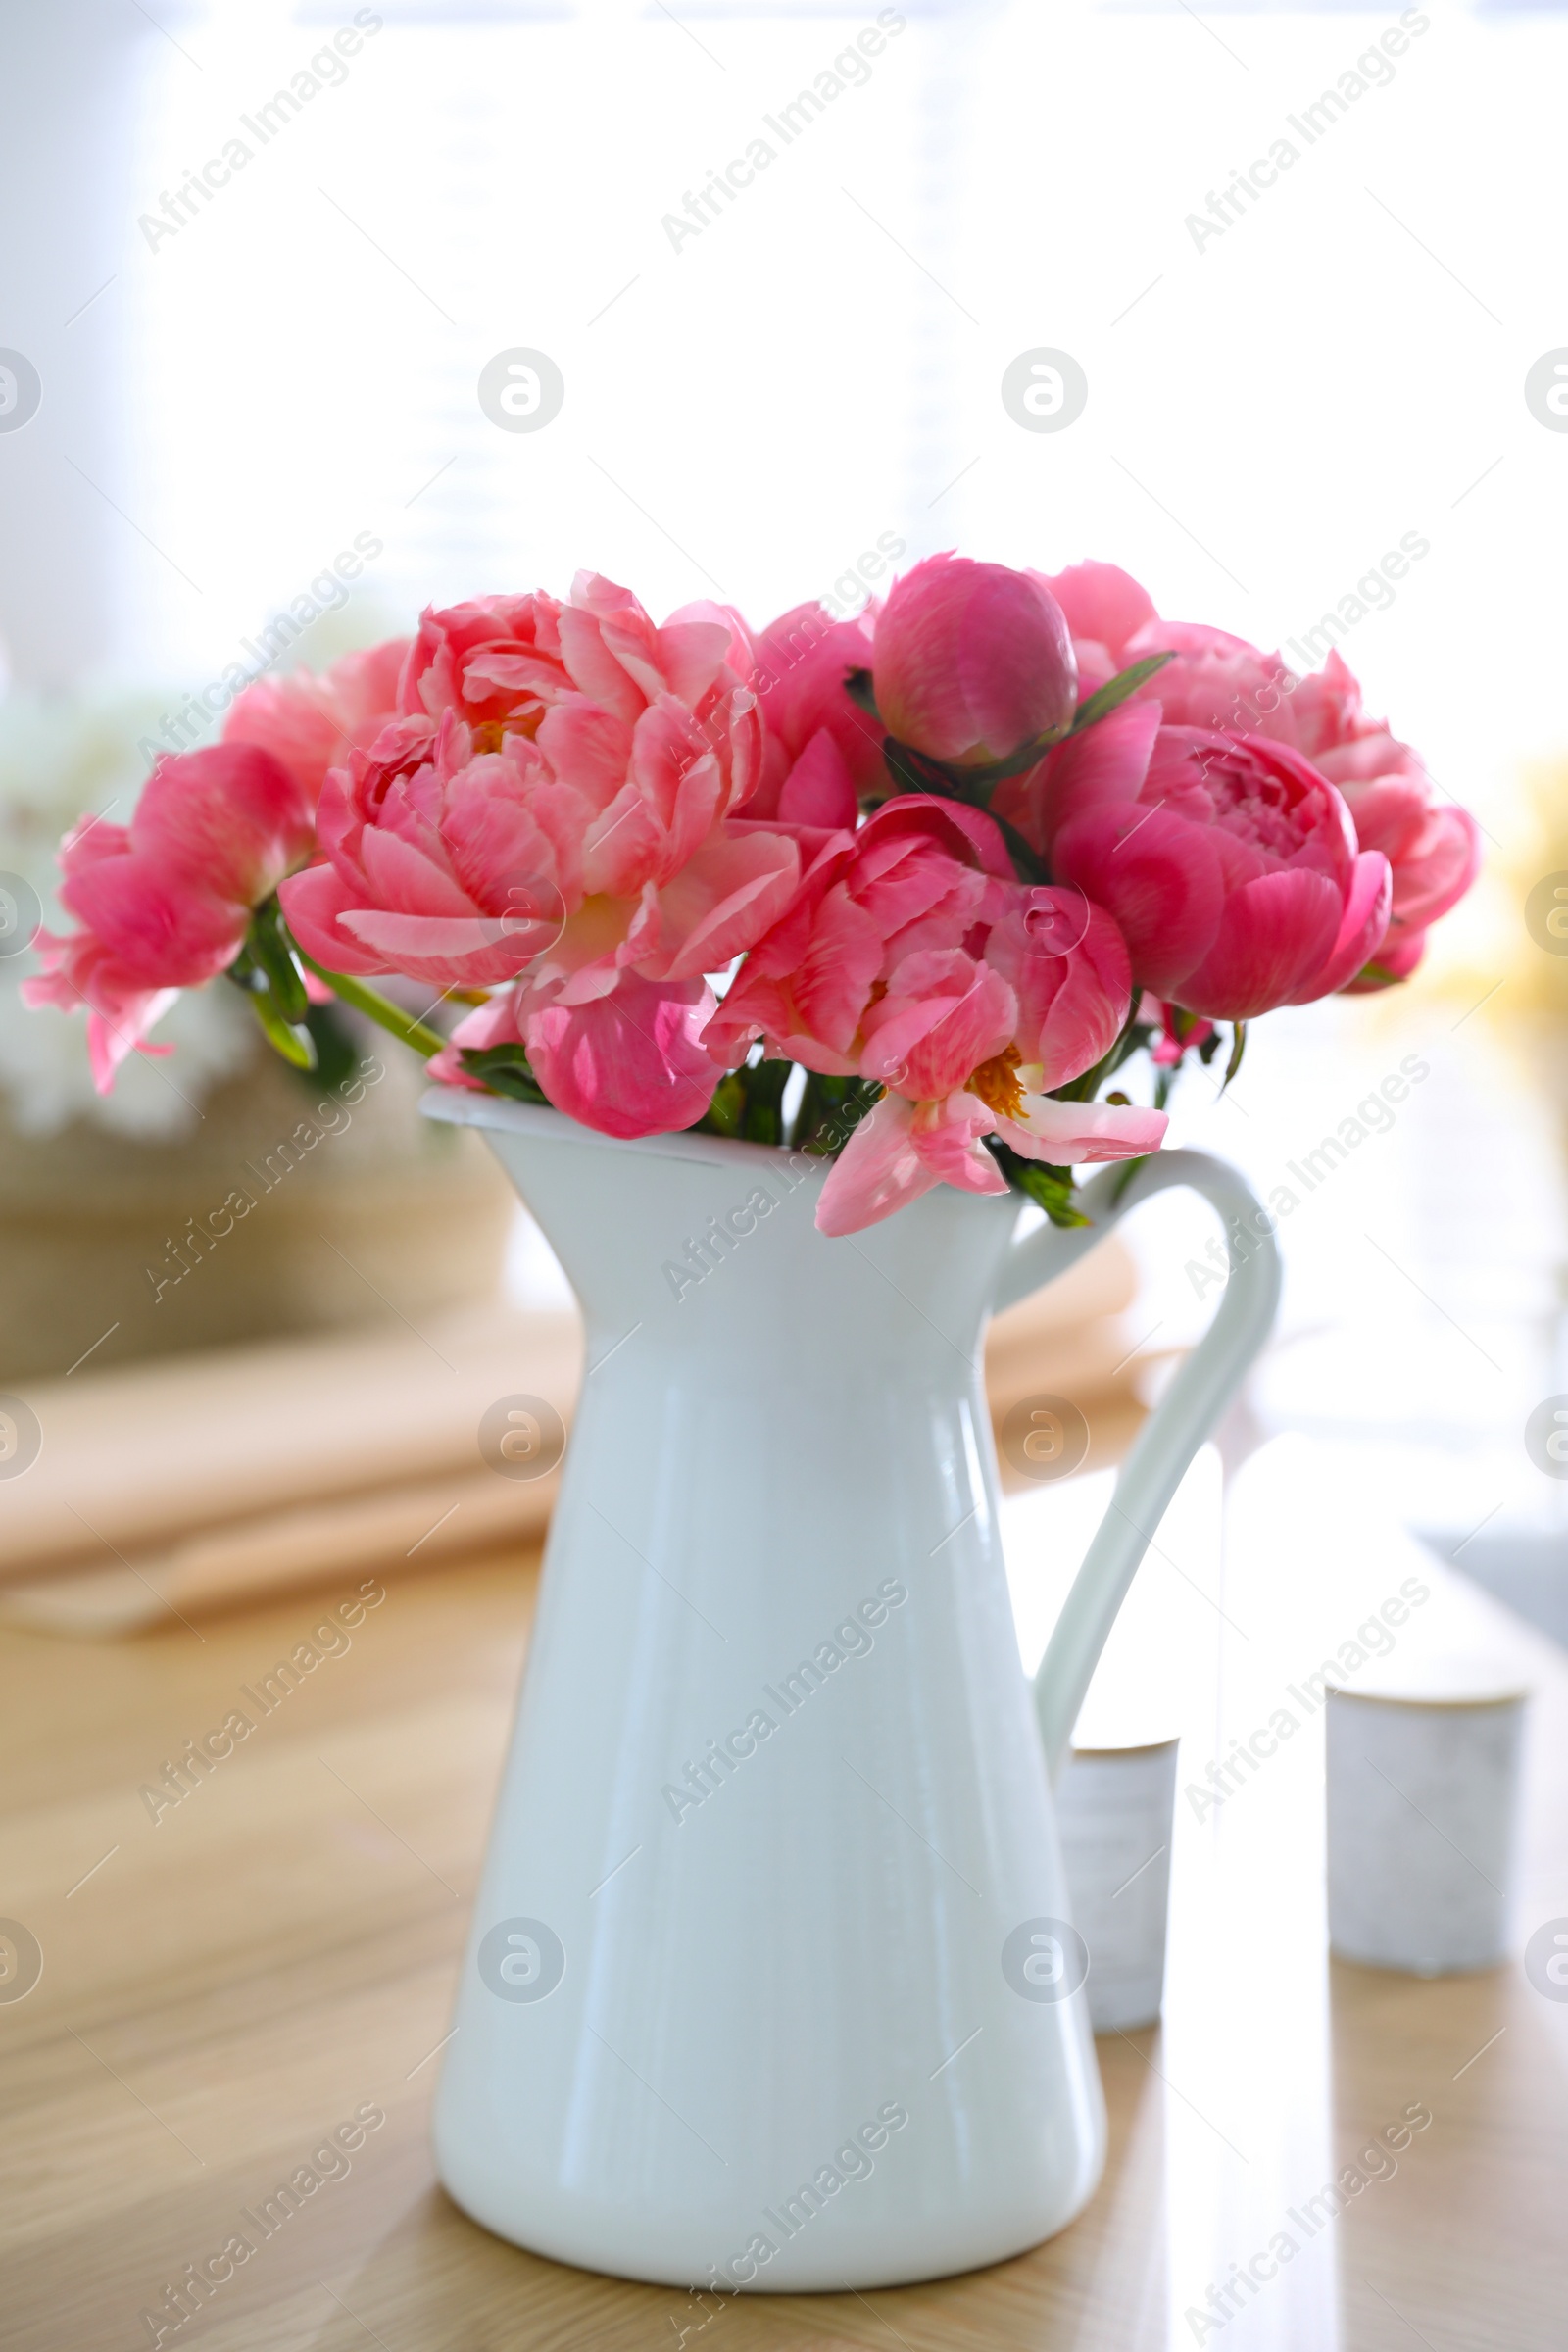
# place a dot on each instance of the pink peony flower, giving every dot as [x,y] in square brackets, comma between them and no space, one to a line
[1215,680]
[79,971]
[1229,863]
[972,662]
[820,750]
[917,874]
[905,1148]
[615,655]
[629,1063]
[968,1049]
[588,857]
[165,902]
[495,662]
[1178,1031]
[1103,605]
[313,721]
[1434,849]
[441,862]
[1068,967]
[1218,681]
[910,957]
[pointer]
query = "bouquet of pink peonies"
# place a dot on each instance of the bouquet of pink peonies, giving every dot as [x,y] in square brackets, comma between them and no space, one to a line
[907,891]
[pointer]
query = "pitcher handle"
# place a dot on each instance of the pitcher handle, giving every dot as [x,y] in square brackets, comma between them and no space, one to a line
[1185,1416]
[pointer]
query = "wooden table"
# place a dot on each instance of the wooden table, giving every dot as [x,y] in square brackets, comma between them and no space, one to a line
[225,1985]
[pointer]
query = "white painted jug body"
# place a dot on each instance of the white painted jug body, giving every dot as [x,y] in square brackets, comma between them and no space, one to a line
[771,1982]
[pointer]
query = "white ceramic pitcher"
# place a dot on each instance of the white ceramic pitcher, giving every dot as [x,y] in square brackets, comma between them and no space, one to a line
[770,1983]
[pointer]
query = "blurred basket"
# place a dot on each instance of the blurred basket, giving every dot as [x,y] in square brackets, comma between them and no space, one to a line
[382,1216]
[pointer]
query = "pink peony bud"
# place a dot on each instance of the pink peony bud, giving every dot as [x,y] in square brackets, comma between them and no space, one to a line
[972,662]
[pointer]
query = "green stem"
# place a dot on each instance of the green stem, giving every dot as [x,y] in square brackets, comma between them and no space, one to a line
[917,773]
[377,1007]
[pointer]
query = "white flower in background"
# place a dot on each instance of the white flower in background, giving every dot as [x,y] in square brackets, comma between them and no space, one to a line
[62,755]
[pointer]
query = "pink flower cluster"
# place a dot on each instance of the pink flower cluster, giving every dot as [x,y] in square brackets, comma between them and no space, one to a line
[1215,685]
[905,849]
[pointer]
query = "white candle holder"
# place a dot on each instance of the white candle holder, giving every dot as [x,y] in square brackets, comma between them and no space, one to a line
[1423,1788]
[1114,1818]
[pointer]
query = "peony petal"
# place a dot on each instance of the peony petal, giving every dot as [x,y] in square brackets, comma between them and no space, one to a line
[678,772]
[596,671]
[471,950]
[631,1062]
[878,1171]
[1102,768]
[1362,925]
[803,659]
[1437,868]
[722,900]
[1070,1135]
[947,1137]
[159,930]
[314,903]
[1100,601]
[692,654]
[1157,876]
[229,821]
[587,747]
[404,880]
[836,970]
[1072,1005]
[819,789]
[1396,959]
[1277,934]
[1215,681]
[78,972]
[312,723]
[927,1048]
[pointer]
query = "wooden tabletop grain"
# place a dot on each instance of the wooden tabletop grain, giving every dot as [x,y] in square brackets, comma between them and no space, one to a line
[224,1985]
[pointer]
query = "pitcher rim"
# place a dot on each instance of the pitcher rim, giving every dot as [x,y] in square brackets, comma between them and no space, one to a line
[462,1106]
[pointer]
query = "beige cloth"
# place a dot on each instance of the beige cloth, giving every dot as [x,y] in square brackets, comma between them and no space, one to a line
[200,1482]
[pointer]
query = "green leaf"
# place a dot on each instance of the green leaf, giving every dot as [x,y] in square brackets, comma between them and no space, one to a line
[272,952]
[977,779]
[762,1121]
[1050,1189]
[386,1015]
[293,1041]
[987,773]
[502,1071]
[747,1104]
[1027,863]
[917,772]
[830,1111]
[971,786]
[1238,1049]
[857,686]
[726,1110]
[1116,690]
[338,1050]
[1125,1173]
